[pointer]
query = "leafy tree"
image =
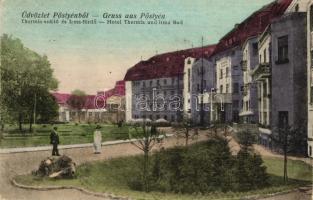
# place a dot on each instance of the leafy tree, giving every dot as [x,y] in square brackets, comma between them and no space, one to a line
[77,100]
[23,74]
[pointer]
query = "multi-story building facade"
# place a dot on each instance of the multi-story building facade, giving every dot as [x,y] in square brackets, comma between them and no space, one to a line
[229,84]
[229,56]
[280,74]
[288,74]
[161,87]
[249,111]
[310,76]
[202,81]
[261,76]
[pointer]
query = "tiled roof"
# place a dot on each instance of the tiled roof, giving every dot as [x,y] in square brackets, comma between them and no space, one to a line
[252,26]
[118,90]
[62,99]
[165,65]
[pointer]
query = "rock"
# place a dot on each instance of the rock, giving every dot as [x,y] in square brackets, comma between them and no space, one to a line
[56,167]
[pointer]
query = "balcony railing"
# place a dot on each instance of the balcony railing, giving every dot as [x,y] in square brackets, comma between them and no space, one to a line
[244,65]
[261,72]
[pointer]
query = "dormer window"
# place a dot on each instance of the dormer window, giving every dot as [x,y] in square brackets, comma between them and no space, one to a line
[188,61]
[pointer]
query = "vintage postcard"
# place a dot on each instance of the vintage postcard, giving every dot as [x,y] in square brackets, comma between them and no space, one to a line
[156,99]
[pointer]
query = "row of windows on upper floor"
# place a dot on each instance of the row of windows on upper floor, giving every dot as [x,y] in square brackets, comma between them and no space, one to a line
[235,88]
[157,82]
[227,72]
[162,92]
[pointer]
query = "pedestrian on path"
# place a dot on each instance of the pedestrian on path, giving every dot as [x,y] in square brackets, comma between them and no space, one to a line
[97,137]
[54,140]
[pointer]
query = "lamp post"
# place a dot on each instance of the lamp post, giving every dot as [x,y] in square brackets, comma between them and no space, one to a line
[211,104]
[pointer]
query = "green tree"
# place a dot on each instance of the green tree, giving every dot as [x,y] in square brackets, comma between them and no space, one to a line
[23,74]
[77,101]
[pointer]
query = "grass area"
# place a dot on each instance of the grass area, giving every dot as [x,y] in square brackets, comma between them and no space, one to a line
[68,133]
[112,176]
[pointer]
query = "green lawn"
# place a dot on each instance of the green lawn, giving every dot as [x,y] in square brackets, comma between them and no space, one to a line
[111,176]
[69,134]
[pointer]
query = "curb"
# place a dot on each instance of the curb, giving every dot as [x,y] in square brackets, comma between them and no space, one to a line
[70,146]
[85,191]
[258,197]
[112,196]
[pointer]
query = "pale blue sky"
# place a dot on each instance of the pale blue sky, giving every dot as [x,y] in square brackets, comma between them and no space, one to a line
[84,55]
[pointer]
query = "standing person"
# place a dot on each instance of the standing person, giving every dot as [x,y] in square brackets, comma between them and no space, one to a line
[54,140]
[97,137]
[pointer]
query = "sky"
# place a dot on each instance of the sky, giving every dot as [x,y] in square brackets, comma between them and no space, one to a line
[92,57]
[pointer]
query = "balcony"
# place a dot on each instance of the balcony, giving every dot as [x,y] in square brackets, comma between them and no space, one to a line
[216,98]
[244,65]
[261,72]
[248,112]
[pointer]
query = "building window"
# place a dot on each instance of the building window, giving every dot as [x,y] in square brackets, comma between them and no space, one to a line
[227,88]
[221,89]
[165,81]
[143,84]
[198,87]
[221,73]
[158,82]
[255,48]
[173,81]
[150,83]
[283,119]
[264,55]
[188,80]
[165,117]
[227,71]
[282,44]
[204,83]
[236,88]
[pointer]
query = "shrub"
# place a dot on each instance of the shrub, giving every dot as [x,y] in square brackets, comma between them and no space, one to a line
[204,168]
[249,171]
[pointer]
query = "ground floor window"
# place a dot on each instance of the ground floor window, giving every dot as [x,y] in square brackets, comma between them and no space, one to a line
[310,150]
